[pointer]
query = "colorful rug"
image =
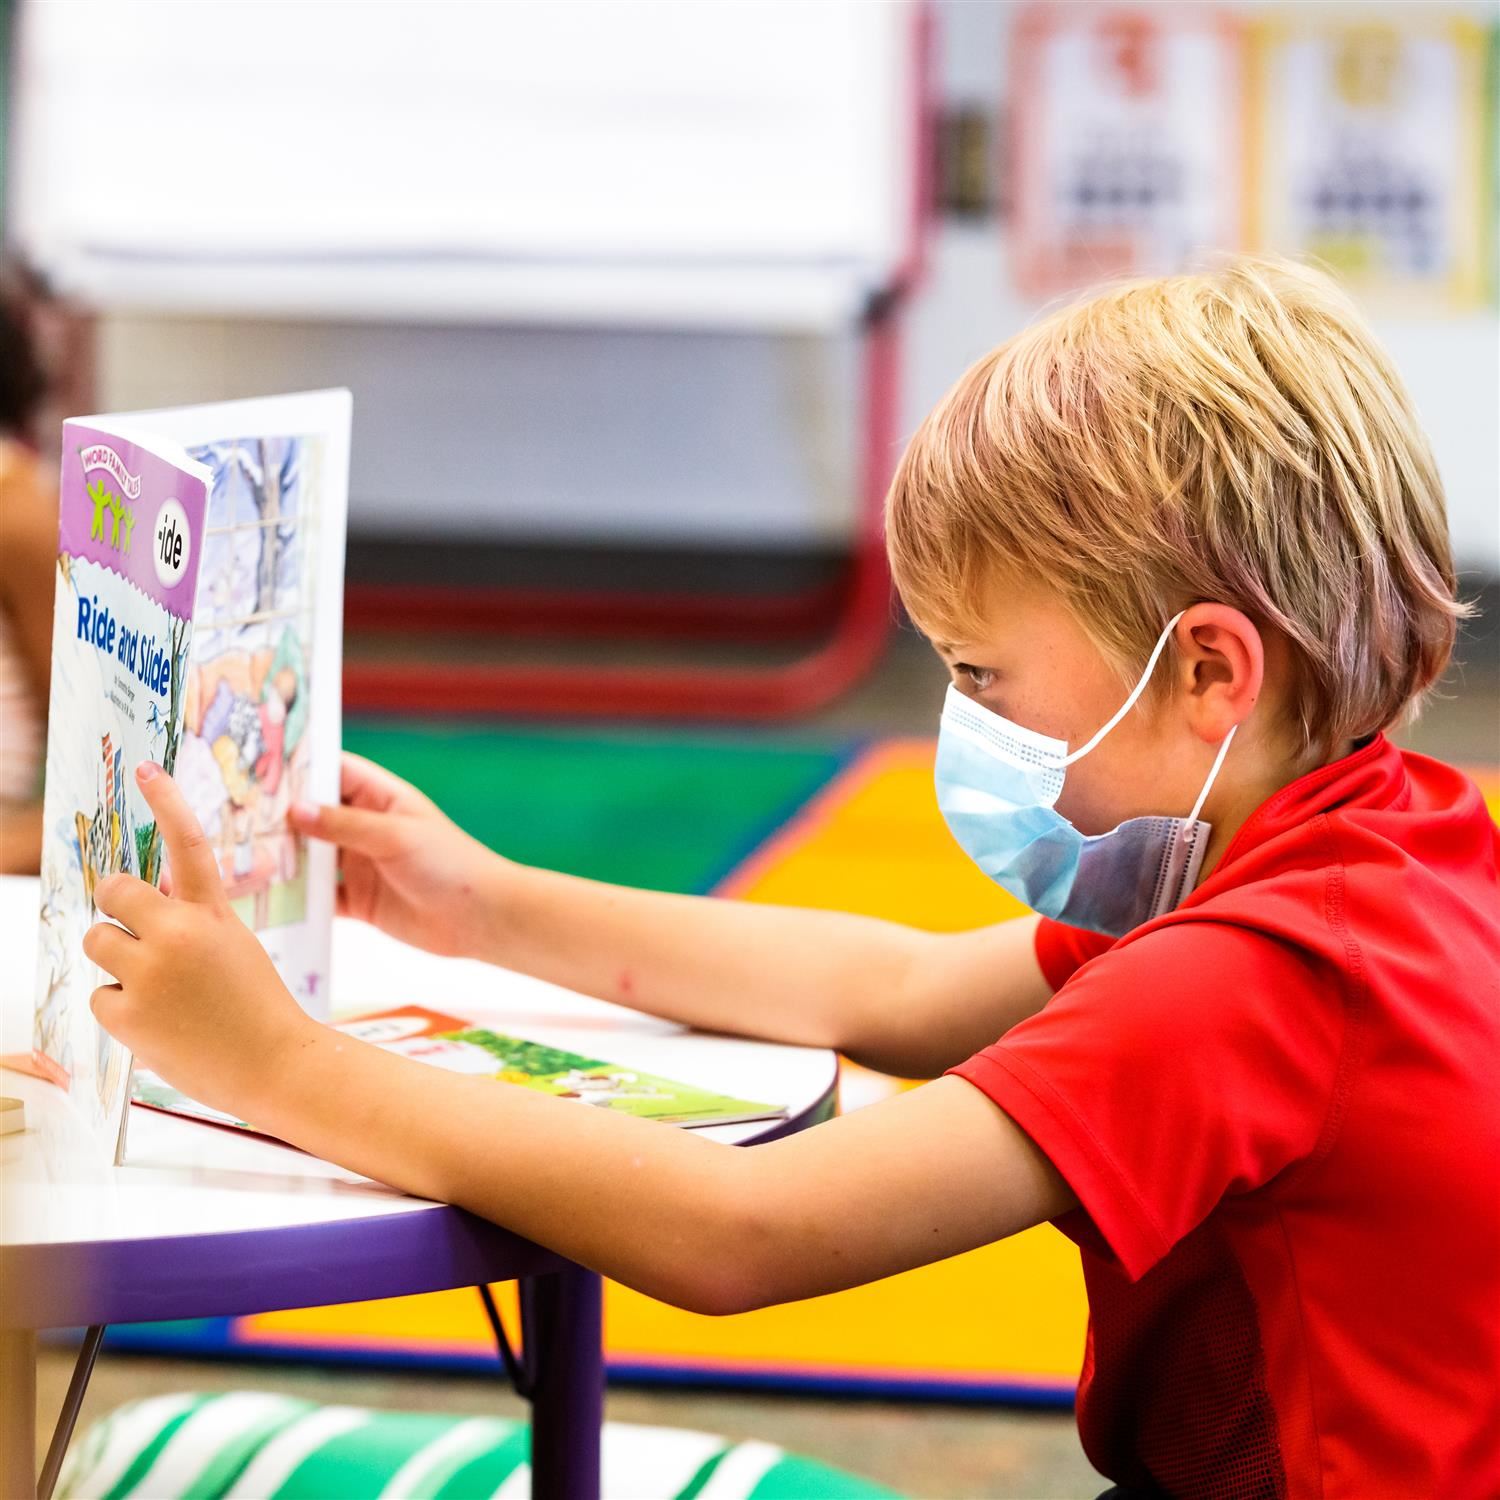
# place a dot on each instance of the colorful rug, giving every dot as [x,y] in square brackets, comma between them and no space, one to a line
[855,829]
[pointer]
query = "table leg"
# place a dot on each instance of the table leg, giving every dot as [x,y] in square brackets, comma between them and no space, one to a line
[563,1336]
[17,1413]
[67,1418]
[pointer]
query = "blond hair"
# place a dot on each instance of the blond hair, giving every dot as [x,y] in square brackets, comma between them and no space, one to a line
[1236,436]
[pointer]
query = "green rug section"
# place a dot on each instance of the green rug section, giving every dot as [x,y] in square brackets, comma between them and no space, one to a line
[667,812]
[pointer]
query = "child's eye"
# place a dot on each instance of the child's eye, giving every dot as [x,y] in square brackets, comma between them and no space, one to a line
[980,679]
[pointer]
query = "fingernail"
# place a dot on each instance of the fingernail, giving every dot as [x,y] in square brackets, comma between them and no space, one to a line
[303,812]
[146,770]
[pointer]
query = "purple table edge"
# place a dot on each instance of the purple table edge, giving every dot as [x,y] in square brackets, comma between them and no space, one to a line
[89,1285]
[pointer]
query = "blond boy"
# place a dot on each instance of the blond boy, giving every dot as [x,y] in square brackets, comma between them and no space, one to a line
[1183,551]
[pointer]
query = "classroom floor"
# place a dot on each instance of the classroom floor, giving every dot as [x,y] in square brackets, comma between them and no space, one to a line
[921,1449]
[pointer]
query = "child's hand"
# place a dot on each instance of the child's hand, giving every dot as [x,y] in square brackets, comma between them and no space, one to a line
[197,999]
[404,866]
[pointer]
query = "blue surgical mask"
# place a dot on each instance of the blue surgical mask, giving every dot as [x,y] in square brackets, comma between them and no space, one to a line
[997,784]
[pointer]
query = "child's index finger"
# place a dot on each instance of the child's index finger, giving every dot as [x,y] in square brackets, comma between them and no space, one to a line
[195,872]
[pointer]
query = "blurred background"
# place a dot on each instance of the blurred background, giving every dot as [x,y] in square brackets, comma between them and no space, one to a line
[638,302]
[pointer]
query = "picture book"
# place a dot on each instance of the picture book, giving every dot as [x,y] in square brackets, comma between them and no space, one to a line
[130,550]
[461,1046]
[248,716]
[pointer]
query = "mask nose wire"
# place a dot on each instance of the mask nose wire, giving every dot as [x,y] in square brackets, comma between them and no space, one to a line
[1130,702]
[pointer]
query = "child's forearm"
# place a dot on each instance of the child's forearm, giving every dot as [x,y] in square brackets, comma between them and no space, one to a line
[785,974]
[704,1226]
[654,1207]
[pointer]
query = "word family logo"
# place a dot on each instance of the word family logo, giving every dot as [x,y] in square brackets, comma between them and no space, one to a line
[171,543]
[102,456]
[113,520]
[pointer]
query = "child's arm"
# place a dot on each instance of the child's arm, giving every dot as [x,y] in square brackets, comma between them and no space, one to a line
[894,998]
[899,999]
[703,1225]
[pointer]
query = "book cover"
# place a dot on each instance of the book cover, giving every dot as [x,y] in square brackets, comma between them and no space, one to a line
[460,1046]
[130,549]
[246,715]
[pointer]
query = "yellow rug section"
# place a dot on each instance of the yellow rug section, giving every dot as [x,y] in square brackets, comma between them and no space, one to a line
[1009,1317]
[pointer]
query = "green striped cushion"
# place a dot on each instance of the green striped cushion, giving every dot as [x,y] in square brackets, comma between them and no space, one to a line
[247,1445]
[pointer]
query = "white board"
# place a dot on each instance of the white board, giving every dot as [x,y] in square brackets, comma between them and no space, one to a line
[642,162]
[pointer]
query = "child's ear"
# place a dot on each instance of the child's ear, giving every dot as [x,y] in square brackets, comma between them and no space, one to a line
[1221,667]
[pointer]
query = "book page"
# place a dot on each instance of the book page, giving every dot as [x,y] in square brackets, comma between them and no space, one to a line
[262,721]
[458,1045]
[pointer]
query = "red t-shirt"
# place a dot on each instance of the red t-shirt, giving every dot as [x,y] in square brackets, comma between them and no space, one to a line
[1279,1107]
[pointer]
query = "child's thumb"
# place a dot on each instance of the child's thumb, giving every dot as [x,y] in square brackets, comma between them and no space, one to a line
[377,834]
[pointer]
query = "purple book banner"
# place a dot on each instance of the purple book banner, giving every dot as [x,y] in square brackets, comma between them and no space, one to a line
[133,512]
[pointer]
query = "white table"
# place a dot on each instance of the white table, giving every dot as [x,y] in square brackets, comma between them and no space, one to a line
[205,1222]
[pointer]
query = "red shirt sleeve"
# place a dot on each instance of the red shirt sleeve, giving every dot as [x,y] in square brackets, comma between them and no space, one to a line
[1060,950]
[1192,1063]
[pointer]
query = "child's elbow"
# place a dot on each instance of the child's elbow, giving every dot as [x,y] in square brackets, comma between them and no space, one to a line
[742,1267]
[723,1292]
[719,1293]
[715,1286]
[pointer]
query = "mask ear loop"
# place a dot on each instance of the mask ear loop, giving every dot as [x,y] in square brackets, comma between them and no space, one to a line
[1130,702]
[1213,772]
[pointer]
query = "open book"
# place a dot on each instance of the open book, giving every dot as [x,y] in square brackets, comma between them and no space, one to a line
[198,623]
[460,1046]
